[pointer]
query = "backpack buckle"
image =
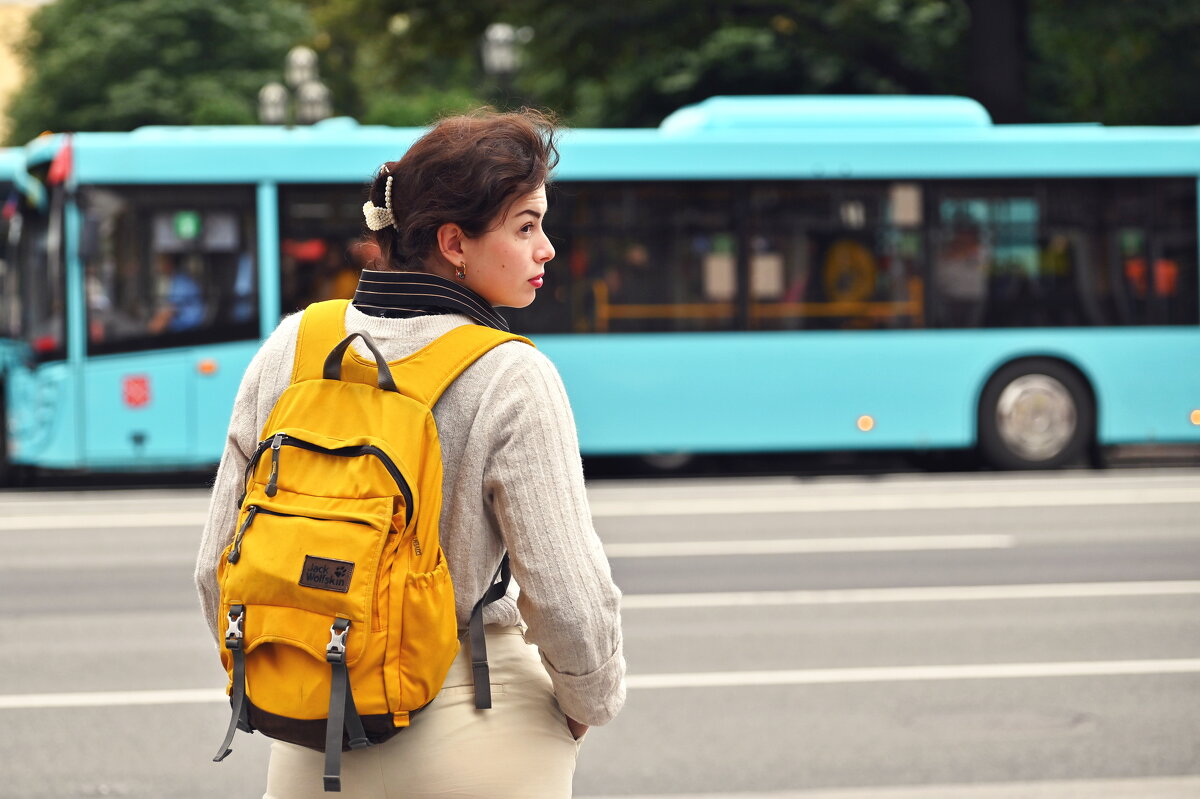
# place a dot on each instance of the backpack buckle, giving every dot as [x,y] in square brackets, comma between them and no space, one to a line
[335,651]
[237,620]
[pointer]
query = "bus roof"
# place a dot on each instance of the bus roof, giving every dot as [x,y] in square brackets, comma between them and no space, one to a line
[862,137]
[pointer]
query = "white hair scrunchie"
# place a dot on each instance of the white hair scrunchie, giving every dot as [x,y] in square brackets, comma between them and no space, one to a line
[379,218]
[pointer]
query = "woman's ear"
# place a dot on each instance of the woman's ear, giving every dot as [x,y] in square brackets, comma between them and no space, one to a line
[450,242]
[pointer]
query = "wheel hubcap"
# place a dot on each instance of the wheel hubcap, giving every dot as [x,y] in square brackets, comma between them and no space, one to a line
[1035,416]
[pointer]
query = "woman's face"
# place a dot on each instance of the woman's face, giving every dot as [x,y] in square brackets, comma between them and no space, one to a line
[506,265]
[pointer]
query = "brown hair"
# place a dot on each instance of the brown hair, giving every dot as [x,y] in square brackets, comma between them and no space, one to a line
[466,170]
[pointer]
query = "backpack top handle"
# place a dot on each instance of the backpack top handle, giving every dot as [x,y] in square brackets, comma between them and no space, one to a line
[333,364]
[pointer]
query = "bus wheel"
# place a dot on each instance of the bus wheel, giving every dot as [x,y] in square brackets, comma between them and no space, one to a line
[1035,414]
[668,462]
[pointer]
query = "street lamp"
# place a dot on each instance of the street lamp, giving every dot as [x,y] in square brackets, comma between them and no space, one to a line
[304,100]
[313,102]
[299,67]
[273,104]
[501,51]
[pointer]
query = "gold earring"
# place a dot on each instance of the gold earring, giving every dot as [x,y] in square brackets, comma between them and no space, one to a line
[460,271]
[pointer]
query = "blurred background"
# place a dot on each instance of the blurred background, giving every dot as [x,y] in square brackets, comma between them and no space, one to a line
[880,321]
[79,65]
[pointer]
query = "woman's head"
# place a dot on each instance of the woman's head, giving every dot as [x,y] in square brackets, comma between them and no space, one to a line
[457,192]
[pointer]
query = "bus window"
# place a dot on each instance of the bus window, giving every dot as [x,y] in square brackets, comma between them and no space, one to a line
[1173,276]
[985,256]
[835,256]
[322,248]
[648,256]
[168,268]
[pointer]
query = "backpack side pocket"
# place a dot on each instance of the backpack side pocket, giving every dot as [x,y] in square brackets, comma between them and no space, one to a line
[428,636]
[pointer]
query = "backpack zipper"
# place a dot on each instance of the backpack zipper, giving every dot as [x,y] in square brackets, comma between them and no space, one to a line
[236,552]
[277,441]
[254,510]
[273,482]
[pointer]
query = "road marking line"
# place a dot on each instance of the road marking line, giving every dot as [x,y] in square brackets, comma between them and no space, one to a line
[1139,788]
[784,546]
[718,679]
[867,501]
[962,499]
[982,671]
[855,596]
[111,699]
[96,521]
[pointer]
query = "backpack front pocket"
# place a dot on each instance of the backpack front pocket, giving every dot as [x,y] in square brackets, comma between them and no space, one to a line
[326,566]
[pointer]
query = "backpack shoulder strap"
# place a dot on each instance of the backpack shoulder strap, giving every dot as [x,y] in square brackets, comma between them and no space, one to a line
[322,326]
[430,371]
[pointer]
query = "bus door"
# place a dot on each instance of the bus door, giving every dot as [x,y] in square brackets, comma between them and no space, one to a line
[37,388]
[170,320]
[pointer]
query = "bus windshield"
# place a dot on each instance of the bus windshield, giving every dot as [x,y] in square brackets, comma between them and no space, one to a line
[35,311]
[9,303]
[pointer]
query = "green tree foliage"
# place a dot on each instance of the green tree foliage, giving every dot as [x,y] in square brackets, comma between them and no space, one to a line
[1121,63]
[125,63]
[616,65]
[610,64]
[666,54]
[384,69]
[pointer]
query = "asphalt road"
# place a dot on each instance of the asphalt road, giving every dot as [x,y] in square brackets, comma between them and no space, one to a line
[978,636]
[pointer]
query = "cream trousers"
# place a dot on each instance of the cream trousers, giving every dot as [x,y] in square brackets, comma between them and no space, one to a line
[519,749]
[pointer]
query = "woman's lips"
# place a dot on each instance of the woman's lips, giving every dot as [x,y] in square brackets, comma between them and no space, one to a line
[537,281]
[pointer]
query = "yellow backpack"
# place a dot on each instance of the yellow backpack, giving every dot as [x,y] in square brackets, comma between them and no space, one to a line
[341,618]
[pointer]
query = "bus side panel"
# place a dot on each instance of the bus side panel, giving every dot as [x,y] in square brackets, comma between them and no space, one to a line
[218,375]
[1146,380]
[139,407]
[811,391]
[42,418]
[777,391]
[163,409]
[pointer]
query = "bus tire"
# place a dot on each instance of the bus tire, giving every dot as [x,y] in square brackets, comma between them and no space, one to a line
[1036,413]
[669,461]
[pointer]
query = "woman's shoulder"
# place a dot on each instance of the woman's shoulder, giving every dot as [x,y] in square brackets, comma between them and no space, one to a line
[520,355]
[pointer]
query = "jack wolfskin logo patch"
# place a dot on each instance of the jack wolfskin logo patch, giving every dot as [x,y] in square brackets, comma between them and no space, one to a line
[326,574]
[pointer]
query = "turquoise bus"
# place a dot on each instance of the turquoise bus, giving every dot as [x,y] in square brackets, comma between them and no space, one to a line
[10,160]
[754,275]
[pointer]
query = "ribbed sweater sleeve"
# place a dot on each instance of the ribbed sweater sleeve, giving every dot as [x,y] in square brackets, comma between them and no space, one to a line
[268,374]
[534,483]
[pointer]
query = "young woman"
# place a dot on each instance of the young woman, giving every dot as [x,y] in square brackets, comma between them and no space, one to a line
[459,226]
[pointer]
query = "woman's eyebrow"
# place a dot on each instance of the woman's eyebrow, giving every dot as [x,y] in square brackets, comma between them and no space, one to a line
[531,212]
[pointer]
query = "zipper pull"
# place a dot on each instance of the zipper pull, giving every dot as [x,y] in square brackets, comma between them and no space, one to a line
[236,552]
[273,483]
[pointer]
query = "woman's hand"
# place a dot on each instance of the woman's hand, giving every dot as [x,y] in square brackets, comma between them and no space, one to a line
[577,729]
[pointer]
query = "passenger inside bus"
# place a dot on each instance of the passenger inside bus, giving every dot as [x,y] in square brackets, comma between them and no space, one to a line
[180,301]
[961,275]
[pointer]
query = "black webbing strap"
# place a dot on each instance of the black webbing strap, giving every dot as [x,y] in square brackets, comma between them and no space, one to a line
[479,664]
[237,693]
[342,712]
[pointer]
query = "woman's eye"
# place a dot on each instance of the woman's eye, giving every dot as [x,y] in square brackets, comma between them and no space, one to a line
[528,228]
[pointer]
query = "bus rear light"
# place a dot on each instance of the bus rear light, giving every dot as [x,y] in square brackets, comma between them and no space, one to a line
[1196,417]
[866,423]
[207,367]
